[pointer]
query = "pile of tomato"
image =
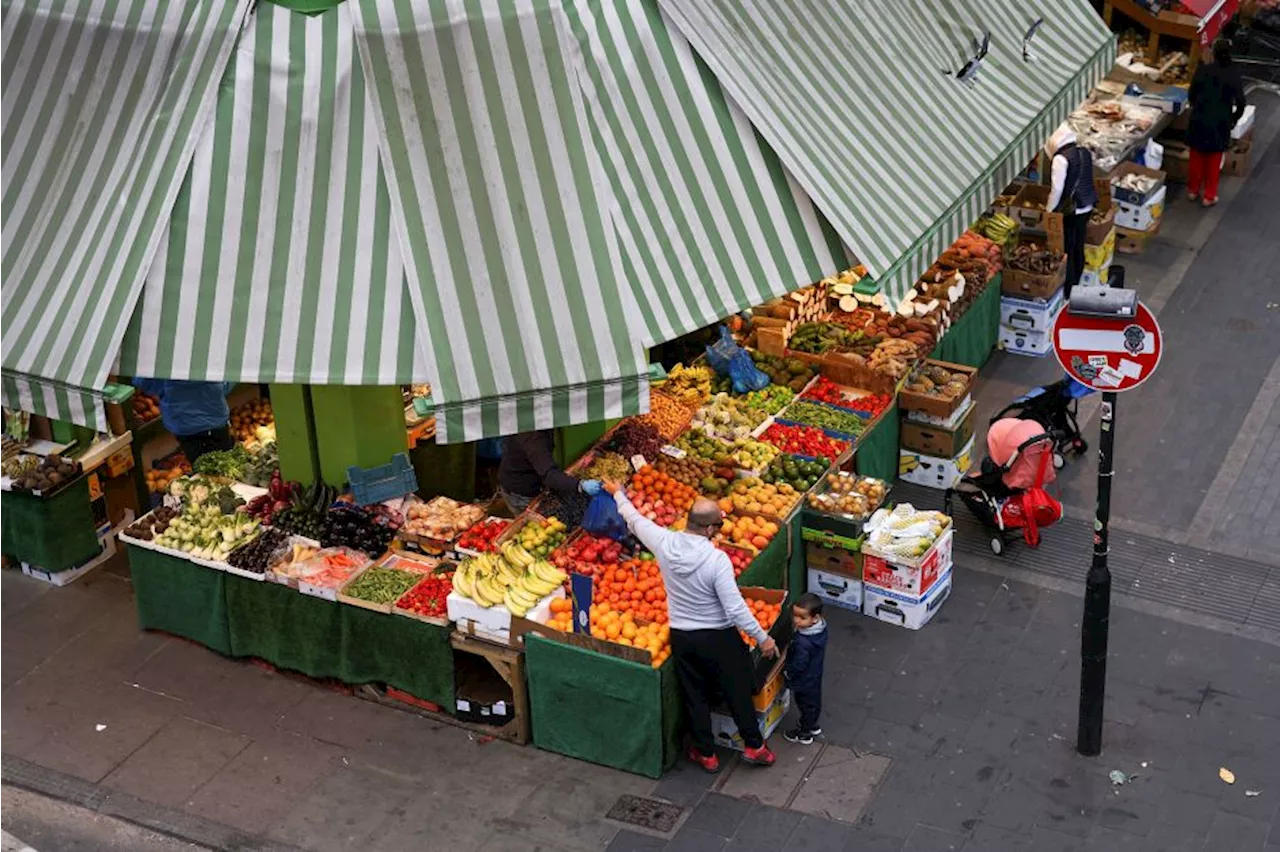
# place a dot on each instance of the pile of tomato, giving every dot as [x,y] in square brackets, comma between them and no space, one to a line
[804,441]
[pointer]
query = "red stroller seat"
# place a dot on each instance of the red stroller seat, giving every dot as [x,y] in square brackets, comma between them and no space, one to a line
[1007,491]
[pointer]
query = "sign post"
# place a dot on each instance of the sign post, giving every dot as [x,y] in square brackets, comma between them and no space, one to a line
[1111,355]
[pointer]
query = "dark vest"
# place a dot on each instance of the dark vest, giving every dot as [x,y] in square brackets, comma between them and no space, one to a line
[1077,189]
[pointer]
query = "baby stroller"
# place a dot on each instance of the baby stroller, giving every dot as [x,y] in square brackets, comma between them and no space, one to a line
[1006,493]
[1053,407]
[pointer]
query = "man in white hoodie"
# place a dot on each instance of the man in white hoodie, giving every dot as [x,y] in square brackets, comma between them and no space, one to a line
[706,610]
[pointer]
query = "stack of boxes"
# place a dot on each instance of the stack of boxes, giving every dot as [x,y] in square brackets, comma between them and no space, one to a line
[1100,237]
[903,591]
[1138,213]
[1029,303]
[1236,161]
[936,435]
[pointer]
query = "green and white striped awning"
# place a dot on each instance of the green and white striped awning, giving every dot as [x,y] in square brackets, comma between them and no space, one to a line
[854,98]
[102,104]
[279,263]
[708,219]
[501,203]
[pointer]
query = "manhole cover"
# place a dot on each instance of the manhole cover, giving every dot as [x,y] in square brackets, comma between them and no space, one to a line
[646,813]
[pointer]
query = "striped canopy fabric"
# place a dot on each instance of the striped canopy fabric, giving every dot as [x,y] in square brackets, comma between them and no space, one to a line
[709,220]
[279,264]
[102,103]
[501,202]
[862,102]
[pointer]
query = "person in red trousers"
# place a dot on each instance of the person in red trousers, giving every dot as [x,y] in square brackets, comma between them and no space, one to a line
[1217,102]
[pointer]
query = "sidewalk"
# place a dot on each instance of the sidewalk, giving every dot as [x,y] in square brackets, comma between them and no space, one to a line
[959,734]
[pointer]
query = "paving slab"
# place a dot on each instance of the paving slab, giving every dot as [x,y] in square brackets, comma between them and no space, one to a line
[84,729]
[256,788]
[776,786]
[840,784]
[179,759]
[347,809]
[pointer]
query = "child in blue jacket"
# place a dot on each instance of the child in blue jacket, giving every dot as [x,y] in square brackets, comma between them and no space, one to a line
[804,666]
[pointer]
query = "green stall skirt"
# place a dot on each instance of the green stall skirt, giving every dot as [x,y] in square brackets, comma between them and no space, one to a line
[602,709]
[325,639]
[55,533]
[181,598]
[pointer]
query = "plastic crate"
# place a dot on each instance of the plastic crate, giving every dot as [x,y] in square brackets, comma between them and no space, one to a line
[384,482]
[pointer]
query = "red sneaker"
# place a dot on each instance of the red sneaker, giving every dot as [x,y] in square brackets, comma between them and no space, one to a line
[759,756]
[710,763]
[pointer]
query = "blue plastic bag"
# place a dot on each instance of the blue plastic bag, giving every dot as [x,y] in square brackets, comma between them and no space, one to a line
[729,359]
[602,518]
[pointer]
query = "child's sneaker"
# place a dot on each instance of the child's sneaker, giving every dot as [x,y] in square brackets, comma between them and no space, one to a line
[759,756]
[800,735]
[710,763]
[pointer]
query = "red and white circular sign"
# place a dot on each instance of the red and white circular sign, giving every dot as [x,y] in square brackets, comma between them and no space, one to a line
[1108,354]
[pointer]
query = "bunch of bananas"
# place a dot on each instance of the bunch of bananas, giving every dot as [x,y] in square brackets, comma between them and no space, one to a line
[515,579]
[998,228]
[688,385]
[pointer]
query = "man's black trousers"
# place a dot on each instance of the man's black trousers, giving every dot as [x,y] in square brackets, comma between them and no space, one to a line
[714,666]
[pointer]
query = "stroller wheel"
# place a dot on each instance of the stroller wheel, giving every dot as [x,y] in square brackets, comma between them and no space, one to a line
[1080,445]
[997,545]
[1059,460]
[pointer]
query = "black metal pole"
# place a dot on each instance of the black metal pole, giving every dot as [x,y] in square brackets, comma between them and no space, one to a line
[1097,598]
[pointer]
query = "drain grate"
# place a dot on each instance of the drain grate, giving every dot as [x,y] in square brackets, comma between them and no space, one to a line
[646,813]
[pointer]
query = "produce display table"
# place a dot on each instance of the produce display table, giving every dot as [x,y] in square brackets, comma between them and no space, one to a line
[243,618]
[55,533]
[971,340]
[603,709]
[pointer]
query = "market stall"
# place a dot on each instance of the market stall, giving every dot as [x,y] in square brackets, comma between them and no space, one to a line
[542,320]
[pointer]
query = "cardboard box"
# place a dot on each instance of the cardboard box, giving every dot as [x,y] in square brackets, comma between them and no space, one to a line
[1094,277]
[1030,314]
[1129,196]
[1034,343]
[780,631]
[1096,232]
[949,422]
[936,441]
[938,406]
[1029,285]
[1235,163]
[725,730]
[913,577]
[933,472]
[1099,257]
[1177,159]
[1134,242]
[1028,207]
[834,554]
[909,611]
[494,623]
[1141,217]
[483,699]
[767,694]
[836,589]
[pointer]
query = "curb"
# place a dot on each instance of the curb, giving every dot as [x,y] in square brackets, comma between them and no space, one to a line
[177,824]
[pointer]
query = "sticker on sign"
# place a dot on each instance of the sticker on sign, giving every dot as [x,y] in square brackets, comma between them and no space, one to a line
[1108,354]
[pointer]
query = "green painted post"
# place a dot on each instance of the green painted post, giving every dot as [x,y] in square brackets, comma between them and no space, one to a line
[362,426]
[573,441]
[295,432]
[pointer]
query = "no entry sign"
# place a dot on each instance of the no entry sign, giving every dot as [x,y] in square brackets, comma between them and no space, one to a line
[1108,354]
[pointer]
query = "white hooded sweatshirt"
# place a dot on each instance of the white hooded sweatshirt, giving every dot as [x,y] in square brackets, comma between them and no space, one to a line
[701,591]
